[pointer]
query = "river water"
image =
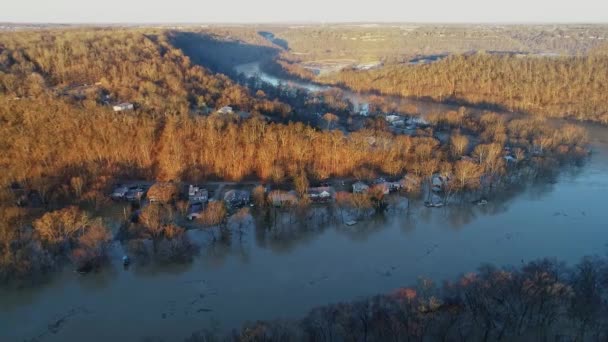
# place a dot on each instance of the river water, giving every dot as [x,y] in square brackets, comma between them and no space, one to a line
[359,100]
[265,277]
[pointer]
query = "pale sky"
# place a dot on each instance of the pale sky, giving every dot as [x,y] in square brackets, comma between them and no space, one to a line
[210,11]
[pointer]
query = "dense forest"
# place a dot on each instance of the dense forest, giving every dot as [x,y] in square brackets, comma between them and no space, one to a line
[571,87]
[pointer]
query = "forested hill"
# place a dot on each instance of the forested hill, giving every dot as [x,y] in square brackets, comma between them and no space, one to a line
[93,66]
[57,89]
[572,87]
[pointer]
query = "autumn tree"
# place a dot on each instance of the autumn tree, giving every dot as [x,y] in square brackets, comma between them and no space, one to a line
[330,119]
[61,227]
[458,145]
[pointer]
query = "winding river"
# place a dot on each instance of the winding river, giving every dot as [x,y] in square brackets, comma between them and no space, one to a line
[263,276]
[358,100]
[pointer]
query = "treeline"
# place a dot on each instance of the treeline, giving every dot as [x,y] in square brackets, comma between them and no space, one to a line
[539,300]
[570,87]
[399,43]
[44,143]
[110,66]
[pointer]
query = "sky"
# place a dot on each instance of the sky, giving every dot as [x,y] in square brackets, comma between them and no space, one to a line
[264,11]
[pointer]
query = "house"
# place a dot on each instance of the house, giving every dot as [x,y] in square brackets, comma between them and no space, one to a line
[320,194]
[437,183]
[360,187]
[123,106]
[398,123]
[418,121]
[392,118]
[135,193]
[394,186]
[280,198]
[197,195]
[119,193]
[225,110]
[237,198]
[364,109]
[195,211]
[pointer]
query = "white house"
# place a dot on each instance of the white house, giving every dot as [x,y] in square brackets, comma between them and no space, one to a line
[225,110]
[197,195]
[123,106]
[392,118]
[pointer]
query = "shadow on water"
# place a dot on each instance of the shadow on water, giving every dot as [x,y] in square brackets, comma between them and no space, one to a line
[218,54]
[273,39]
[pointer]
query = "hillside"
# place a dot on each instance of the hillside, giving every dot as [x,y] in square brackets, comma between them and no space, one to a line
[571,87]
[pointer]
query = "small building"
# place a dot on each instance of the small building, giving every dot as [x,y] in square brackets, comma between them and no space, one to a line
[364,109]
[437,183]
[320,194]
[279,198]
[135,193]
[394,186]
[225,110]
[360,187]
[119,192]
[398,123]
[417,121]
[392,118]
[123,106]
[237,198]
[195,211]
[197,194]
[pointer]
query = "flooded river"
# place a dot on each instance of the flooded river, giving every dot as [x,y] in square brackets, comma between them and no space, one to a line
[359,101]
[262,277]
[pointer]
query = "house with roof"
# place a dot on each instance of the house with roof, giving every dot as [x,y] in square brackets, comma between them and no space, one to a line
[197,194]
[360,187]
[123,107]
[280,198]
[320,194]
[225,110]
[237,198]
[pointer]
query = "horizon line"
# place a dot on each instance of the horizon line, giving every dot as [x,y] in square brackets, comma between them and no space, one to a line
[320,22]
